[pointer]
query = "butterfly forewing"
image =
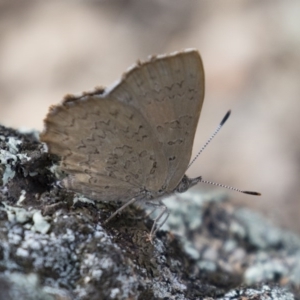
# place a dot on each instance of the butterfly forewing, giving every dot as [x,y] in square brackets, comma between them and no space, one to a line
[169,93]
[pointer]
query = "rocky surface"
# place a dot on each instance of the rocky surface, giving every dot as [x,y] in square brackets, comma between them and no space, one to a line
[54,244]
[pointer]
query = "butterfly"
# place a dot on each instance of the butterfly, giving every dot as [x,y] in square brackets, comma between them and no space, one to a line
[132,141]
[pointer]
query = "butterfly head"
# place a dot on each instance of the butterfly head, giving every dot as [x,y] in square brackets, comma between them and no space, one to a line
[186,183]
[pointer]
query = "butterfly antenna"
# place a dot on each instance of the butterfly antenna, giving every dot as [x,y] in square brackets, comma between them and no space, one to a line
[212,136]
[230,188]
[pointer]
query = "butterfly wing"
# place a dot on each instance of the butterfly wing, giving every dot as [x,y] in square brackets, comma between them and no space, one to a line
[169,93]
[107,147]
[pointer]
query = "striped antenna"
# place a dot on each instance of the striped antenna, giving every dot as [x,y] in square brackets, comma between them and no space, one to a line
[211,137]
[201,150]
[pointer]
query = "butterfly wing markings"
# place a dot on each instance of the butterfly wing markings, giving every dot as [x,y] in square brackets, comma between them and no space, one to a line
[107,147]
[169,93]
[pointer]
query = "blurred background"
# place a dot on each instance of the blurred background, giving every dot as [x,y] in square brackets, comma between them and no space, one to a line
[251,55]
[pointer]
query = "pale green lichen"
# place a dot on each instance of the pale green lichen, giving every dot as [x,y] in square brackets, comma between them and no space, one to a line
[22,197]
[13,144]
[40,223]
[16,214]
[9,158]
[21,215]
[8,172]
[25,286]
[81,198]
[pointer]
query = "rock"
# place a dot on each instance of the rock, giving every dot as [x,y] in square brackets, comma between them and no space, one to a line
[54,244]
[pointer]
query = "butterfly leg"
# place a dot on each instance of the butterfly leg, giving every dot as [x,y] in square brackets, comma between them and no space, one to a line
[120,209]
[152,211]
[156,225]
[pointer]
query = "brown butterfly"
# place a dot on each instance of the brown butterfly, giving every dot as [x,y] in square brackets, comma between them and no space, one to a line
[132,141]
